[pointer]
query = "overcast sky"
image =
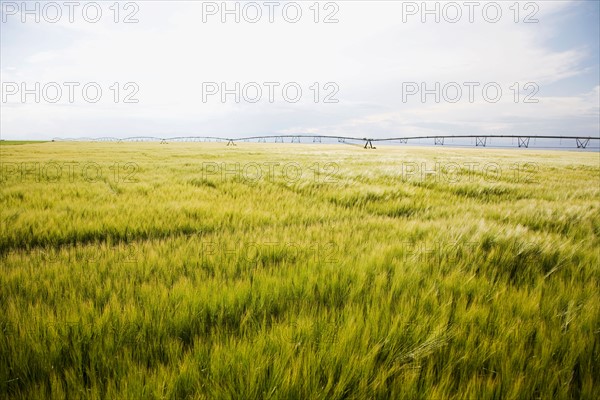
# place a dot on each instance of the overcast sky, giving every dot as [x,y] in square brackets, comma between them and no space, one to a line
[366,67]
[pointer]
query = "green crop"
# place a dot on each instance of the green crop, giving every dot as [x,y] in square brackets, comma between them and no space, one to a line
[194,270]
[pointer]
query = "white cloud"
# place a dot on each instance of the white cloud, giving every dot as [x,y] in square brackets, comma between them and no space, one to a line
[369,54]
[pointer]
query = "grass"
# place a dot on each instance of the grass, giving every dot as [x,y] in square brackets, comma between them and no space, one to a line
[16,142]
[298,271]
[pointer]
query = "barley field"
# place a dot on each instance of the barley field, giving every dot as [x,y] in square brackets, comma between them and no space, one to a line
[297,271]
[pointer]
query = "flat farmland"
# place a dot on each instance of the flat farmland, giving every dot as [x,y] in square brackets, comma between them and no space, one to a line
[196,270]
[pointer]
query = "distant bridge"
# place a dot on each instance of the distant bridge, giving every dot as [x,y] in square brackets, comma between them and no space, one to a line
[522,141]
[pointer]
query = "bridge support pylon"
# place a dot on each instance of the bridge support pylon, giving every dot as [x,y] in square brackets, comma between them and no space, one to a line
[524,142]
[582,143]
[369,144]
